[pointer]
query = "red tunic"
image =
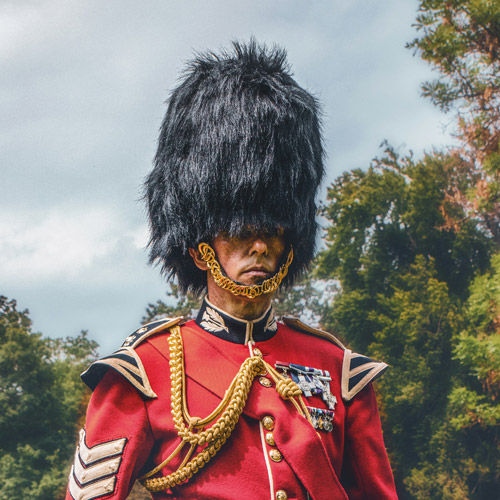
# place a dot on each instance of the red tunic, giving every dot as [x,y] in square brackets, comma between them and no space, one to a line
[126,434]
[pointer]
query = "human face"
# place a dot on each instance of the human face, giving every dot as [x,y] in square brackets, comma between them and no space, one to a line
[251,258]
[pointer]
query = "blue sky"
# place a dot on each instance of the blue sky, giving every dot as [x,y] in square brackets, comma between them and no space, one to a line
[81,99]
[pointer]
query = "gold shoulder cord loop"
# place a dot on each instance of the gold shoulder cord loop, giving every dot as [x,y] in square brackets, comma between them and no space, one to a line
[193,430]
[250,291]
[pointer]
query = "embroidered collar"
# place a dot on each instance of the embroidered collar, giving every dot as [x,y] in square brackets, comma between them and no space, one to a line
[236,330]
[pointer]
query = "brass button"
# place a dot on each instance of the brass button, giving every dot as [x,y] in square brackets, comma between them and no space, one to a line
[270,439]
[257,352]
[265,382]
[142,330]
[268,423]
[281,495]
[275,455]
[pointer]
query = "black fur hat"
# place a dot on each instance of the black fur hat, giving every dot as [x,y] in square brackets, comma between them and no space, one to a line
[240,145]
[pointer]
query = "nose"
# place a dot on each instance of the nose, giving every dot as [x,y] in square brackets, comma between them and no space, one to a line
[258,246]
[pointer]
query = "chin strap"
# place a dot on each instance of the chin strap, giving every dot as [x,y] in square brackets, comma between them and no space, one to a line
[215,429]
[250,291]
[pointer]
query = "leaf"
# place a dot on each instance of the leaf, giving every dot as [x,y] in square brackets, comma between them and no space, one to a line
[213,321]
[271,324]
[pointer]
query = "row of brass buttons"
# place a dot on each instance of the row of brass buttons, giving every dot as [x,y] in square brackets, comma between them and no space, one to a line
[268,424]
[274,454]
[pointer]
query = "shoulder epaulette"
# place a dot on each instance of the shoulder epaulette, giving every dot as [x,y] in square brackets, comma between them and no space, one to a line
[149,329]
[126,361]
[357,370]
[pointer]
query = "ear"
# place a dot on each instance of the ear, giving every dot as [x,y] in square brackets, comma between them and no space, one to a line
[198,261]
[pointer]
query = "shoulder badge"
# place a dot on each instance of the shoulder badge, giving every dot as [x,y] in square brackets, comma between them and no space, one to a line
[126,361]
[357,370]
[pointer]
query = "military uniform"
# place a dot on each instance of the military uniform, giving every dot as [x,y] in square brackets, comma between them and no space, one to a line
[273,452]
[220,408]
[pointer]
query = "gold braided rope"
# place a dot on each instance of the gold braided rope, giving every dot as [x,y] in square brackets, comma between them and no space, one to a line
[193,431]
[250,291]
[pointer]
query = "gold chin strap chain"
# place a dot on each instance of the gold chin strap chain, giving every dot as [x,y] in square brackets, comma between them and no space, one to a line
[250,291]
[193,431]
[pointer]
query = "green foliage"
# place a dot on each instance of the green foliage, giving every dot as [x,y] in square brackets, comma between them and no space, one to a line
[460,39]
[69,357]
[415,326]
[405,276]
[41,400]
[465,447]
[27,411]
[474,400]
[380,220]
[33,472]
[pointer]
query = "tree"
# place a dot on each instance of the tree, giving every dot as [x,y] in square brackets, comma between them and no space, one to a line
[415,325]
[41,401]
[69,357]
[465,448]
[379,221]
[404,278]
[461,41]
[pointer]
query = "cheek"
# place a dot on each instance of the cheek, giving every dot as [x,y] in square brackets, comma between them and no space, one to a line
[278,250]
[226,253]
[230,259]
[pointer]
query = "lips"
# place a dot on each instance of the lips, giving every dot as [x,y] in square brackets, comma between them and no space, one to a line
[257,271]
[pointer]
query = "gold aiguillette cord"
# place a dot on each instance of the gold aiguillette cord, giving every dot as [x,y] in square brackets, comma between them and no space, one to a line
[193,431]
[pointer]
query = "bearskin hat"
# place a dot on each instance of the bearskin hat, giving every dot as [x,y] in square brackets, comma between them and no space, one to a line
[240,146]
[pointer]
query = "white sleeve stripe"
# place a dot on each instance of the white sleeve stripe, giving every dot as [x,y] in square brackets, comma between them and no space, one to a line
[93,490]
[99,451]
[98,471]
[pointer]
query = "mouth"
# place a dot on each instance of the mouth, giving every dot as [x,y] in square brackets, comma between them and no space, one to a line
[257,272]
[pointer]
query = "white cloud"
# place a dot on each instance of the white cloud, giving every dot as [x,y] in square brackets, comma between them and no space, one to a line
[61,244]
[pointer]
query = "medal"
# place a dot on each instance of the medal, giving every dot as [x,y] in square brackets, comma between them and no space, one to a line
[329,398]
[310,381]
[321,419]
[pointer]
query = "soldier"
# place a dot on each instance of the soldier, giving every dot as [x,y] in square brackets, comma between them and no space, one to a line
[234,403]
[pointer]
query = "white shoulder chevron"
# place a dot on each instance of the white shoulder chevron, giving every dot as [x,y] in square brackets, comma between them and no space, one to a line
[99,451]
[93,474]
[91,491]
[357,372]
